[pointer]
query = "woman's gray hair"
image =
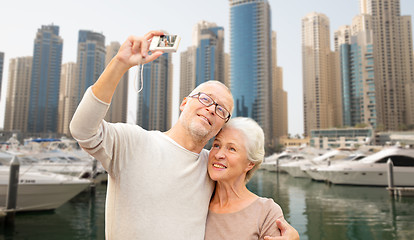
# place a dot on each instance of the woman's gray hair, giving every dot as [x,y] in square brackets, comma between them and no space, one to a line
[254,141]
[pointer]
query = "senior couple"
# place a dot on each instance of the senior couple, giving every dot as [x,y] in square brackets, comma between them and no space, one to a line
[165,185]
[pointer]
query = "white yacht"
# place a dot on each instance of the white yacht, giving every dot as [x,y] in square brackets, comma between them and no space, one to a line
[293,168]
[53,155]
[56,162]
[41,190]
[270,163]
[372,170]
[316,172]
[298,169]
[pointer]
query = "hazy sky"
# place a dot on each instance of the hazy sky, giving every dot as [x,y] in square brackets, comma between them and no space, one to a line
[19,21]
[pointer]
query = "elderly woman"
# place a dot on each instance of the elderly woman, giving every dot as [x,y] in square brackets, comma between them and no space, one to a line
[235,212]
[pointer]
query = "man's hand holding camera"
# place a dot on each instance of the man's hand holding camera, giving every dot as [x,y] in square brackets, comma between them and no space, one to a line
[134,50]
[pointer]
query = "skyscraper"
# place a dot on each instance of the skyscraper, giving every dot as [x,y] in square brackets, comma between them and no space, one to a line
[342,40]
[18,94]
[362,71]
[209,40]
[408,59]
[204,60]
[409,93]
[119,105]
[187,72]
[67,97]
[280,100]
[227,70]
[251,61]
[1,69]
[45,80]
[354,45]
[319,84]
[393,59]
[90,60]
[341,45]
[155,99]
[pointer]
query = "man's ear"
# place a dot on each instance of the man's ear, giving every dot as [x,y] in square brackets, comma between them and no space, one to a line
[183,103]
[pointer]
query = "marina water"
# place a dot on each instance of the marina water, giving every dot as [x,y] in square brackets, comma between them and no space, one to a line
[317,210]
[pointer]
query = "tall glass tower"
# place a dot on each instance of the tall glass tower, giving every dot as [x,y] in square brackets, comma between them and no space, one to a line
[45,80]
[210,52]
[90,60]
[342,38]
[251,61]
[154,101]
[355,47]
[204,60]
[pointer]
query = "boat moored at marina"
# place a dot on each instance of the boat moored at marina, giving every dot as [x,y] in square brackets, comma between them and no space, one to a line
[372,170]
[271,163]
[38,191]
[298,169]
[316,172]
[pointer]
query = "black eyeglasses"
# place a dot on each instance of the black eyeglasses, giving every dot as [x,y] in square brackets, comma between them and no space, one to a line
[207,101]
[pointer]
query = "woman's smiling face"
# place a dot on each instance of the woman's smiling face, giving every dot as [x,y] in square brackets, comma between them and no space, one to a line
[227,160]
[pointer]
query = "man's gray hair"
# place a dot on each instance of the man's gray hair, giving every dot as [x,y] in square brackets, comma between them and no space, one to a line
[254,141]
[200,87]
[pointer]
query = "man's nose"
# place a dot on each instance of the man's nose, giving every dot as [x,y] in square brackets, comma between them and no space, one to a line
[211,109]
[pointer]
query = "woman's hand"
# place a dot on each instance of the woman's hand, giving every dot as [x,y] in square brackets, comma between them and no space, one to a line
[286,230]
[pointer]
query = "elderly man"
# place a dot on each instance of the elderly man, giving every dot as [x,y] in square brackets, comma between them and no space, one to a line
[158,186]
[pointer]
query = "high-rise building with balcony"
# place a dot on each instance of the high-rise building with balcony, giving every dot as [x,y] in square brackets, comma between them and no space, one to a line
[187,72]
[67,97]
[45,80]
[155,99]
[409,93]
[118,109]
[204,60]
[251,61]
[279,95]
[18,94]
[227,70]
[319,82]
[393,59]
[1,69]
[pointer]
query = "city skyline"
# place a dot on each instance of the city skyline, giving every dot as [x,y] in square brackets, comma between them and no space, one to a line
[94,16]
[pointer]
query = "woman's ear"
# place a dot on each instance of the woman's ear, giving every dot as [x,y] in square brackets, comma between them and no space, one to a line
[250,166]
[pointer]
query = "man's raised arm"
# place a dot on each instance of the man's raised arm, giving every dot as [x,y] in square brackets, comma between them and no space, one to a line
[87,118]
[133,51]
